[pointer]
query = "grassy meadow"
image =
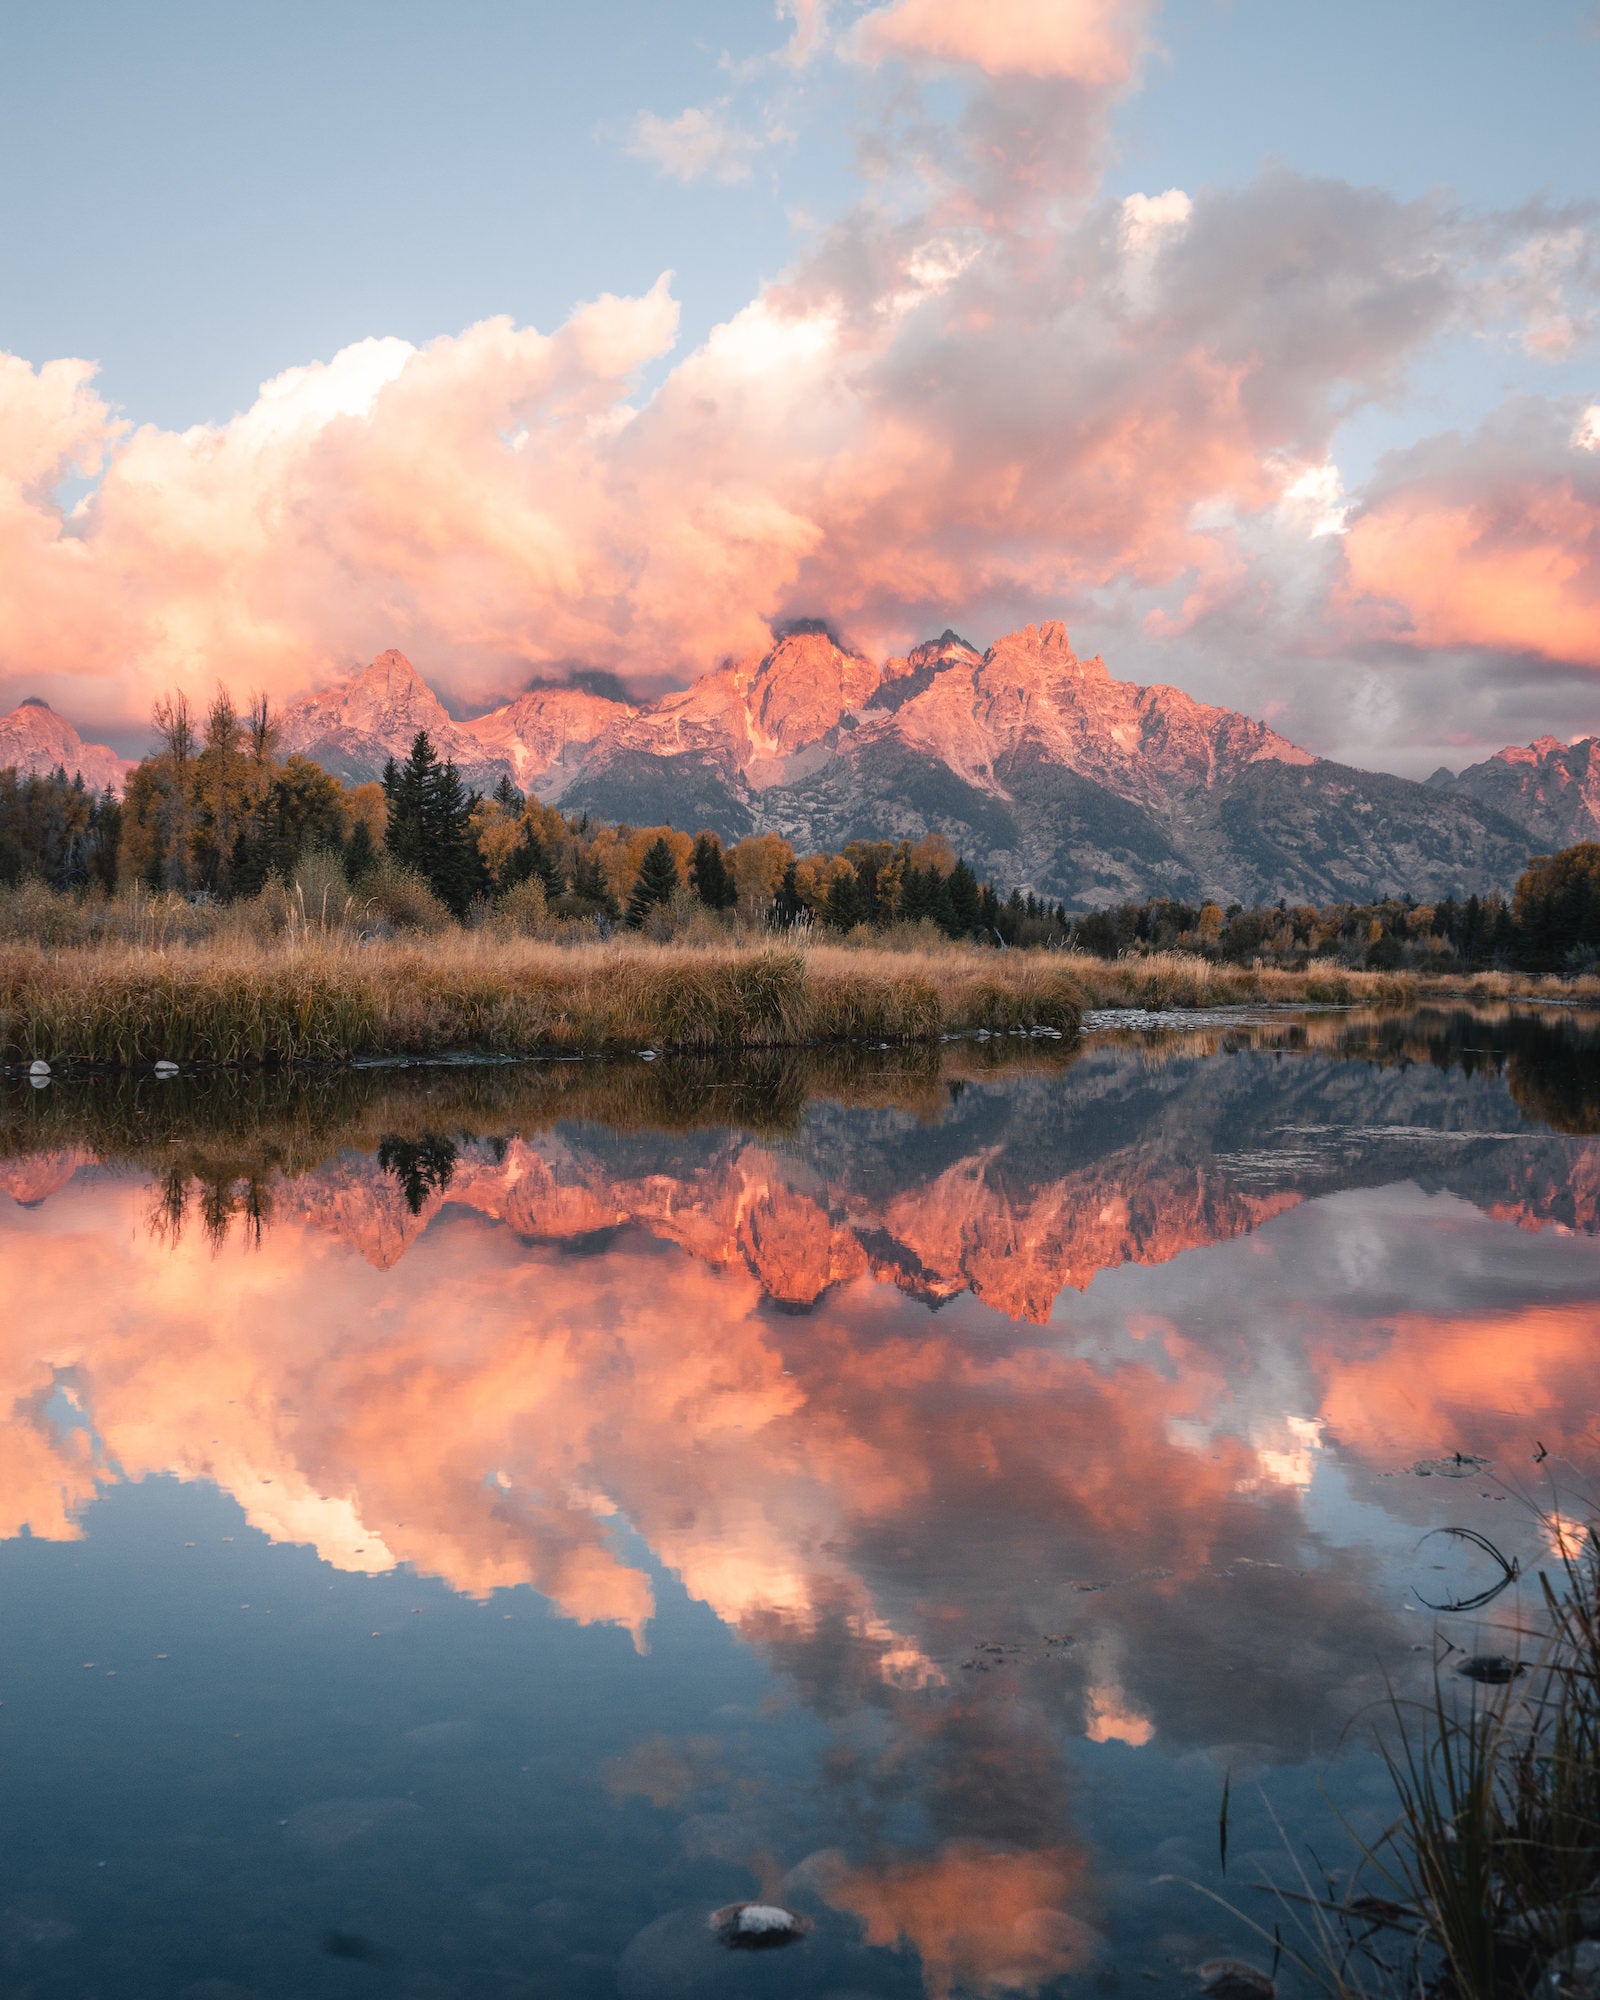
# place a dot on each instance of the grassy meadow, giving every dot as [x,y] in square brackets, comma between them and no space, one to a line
[276,980]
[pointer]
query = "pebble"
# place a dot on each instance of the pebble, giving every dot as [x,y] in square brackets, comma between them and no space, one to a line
[39,1067]
[758,1926]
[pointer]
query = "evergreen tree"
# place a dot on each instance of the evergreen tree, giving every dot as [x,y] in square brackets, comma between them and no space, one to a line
[656,884]
[506,795]
[531,861]
[919,894]
[359,852]
[846,906]
[455,872]
[966,909]
[708,874]
[589,884]
[788,908]
[429,828]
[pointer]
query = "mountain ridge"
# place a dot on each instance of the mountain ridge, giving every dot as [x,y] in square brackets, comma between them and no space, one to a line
[1035,763]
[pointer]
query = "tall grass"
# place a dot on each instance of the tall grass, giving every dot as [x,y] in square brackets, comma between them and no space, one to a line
[1489,1875]
[315,996]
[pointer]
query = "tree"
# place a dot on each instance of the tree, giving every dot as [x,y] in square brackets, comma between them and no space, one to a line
[845,905]
[788,906]
[708,874]
[359,852]
[966,909]
[656,884]
[430,825]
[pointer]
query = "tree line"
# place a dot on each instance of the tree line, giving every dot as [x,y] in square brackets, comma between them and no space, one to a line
[1550,923]
[215,812]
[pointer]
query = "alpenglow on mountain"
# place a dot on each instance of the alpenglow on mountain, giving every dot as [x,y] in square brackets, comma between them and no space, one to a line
[1035,764]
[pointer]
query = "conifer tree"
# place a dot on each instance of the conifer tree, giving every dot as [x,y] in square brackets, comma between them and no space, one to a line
[359,852]
[708,874]
[966,913]
[429,828]
[656,884]
[788,907]
[846,906]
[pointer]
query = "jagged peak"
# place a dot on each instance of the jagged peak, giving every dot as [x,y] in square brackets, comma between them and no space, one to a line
[1050,646]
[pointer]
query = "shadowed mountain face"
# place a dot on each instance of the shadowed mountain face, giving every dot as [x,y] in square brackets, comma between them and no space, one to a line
[1034,763]
[920,1456]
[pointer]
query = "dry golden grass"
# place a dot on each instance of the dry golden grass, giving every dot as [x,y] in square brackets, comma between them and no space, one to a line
[312,993]
[322,998]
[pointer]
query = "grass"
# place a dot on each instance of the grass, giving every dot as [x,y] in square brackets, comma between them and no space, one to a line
[308,973]
[1489,1874]
[327,997]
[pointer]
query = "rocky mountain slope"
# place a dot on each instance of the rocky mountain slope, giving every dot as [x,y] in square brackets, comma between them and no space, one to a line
[1036,764]
[35,741]
[1550,787]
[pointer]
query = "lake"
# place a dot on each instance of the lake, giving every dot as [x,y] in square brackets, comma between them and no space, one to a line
[463,1525]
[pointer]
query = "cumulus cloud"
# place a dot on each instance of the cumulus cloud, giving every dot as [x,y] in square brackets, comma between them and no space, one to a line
[992,394]
[1093,42]
[1489,541]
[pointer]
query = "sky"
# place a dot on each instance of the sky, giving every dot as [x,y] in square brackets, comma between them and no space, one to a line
[1254,339]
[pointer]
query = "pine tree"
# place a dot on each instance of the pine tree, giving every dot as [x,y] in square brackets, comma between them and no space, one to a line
[531,861]
[429,829]
[656,884]
[708,874]
[589,884]
[788,908]
[966,913]
[845,906]
[359,852]
[455,870]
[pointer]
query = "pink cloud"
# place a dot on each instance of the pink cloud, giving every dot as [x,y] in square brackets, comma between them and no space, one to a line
[1092,42]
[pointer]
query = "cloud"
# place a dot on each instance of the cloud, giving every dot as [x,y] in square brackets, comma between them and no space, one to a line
[703,140]
[1490,542]
[987,394]
[1091,42]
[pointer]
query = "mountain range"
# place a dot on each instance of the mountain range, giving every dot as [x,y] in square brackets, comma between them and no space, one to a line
[1036,764]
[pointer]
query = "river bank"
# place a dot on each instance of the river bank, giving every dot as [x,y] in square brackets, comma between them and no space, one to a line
[319,997]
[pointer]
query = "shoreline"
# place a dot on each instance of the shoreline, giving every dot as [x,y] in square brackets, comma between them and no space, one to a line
[323,998]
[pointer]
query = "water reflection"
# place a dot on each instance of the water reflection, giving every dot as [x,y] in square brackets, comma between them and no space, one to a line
[900,1367]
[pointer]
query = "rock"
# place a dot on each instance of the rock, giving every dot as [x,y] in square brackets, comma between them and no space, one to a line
[1234,1979]
[1572,1975]
[758,1926]
[1493,1669]
[1459,1465]
[165,1068]
[39,1067]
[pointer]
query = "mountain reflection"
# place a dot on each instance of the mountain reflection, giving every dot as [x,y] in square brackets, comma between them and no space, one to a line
[822,1350]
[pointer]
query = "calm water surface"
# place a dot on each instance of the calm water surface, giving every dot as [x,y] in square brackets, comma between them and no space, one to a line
[461,1526]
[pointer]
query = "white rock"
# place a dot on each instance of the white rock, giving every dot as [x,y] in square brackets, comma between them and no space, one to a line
[38,1067]
[758,1925]
[165,1068]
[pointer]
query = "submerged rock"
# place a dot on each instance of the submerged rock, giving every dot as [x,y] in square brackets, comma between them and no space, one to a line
[1493,1669]
[1572,1975]
[758,1926]
[1459,1465]
[1234,1979]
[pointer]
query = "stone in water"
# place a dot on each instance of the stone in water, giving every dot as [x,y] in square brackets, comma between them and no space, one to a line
[758,1926]
[1233,1979]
